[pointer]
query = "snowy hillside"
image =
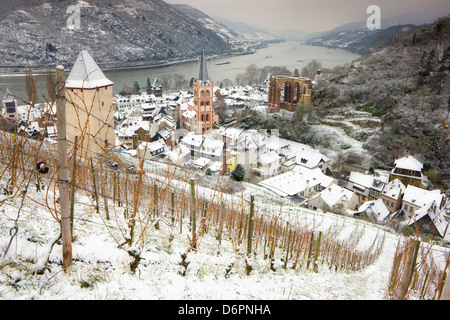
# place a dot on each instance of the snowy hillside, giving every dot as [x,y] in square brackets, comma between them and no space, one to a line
[102,267]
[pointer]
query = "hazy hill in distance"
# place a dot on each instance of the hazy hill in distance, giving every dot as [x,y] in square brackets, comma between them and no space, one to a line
[249,31]
[356,37]
[115,32]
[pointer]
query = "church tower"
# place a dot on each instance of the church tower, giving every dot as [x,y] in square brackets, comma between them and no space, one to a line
[90,108]
[203,99]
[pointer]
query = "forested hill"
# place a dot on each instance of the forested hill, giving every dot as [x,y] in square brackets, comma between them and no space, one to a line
[114,31]
[407,86]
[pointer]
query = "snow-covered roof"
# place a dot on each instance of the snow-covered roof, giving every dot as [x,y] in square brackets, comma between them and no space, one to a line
[232,133]
[178,154]
[86,74]
[212,147]
[192,139]
[375,208]
[269,157]
[128,127]
[334,194]
[432,210]
[393,189]
[216,166]
[152,146]
[9,97]
[421,197]
[296,180]
[189,114]
[409,163]
[200,162]
[361,179]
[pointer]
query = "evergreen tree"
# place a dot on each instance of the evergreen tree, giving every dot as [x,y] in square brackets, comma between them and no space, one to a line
[148,88]
[238,173]
[136,87]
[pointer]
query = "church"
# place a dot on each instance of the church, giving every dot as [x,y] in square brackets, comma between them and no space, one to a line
[199,116]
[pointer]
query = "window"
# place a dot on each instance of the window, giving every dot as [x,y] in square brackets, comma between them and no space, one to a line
[406,207]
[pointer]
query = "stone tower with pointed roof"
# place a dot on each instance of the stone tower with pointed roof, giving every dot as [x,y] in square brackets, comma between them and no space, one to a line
[203,99]
[90,108]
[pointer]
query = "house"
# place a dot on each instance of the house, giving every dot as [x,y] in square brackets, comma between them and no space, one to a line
[416,198]
[298,153]
[409,171]
[211,149]
[268,165]
[193,142]
[299,182]
[374,209]
[334,198]
[151,150]
[163,127]
[203,147]
[392,195]
[246,149]
[180,155]
[431,219]
[367,187]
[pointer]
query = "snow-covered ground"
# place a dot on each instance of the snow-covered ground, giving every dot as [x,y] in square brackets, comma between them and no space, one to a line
[101,270]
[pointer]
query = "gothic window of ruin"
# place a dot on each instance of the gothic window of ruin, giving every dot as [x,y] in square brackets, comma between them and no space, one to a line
[296,92]
[287,92]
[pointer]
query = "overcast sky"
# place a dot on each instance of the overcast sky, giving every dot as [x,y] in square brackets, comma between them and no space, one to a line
[314,15]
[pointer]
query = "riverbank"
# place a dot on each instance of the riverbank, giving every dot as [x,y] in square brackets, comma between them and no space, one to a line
[133,65]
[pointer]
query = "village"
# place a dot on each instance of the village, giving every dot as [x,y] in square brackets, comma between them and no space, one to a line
[183,128]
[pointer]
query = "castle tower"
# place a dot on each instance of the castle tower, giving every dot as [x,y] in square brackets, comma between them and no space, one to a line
[90,108]
[203,99]
[10,106]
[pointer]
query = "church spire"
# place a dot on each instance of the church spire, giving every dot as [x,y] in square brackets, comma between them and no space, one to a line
[203,72]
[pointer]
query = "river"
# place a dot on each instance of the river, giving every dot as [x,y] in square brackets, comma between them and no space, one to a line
[292,55]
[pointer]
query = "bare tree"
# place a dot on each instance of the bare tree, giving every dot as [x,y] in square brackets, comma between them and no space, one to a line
[166,81]
[310,70]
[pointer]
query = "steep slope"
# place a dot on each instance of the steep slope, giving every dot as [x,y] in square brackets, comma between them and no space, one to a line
[406,87]
[114,31]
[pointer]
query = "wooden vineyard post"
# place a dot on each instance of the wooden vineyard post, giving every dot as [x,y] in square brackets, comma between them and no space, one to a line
[193,213]
[250,225]
[63,168]
[72,185]
[172,205]
[94,184]
[103,188]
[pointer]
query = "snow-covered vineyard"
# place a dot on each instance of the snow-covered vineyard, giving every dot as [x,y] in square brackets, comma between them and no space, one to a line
[297,253]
